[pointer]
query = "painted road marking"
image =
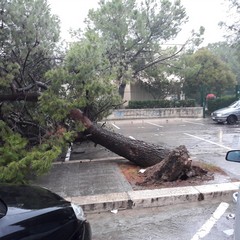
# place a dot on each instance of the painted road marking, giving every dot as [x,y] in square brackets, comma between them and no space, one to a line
[194,123]
[68,155]
[190,135]
[115,126]
[229,232]
[154,124]
[207,226]
[132,137]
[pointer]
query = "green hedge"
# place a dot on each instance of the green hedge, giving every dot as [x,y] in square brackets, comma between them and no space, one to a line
[161,104]
[215,104]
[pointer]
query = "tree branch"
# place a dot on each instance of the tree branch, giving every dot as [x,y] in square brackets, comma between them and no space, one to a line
[158,60]
[29,97]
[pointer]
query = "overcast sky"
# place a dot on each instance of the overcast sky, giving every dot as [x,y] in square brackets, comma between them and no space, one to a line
[207,13]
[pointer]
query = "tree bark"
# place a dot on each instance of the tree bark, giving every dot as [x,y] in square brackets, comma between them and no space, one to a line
[121,89]
[177,165]
[141,153]
[161,163]
[30,97]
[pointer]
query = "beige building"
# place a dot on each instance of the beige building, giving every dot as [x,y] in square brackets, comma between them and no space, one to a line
[136,92]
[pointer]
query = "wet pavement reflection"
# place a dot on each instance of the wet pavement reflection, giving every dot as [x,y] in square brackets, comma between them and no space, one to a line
[206,140]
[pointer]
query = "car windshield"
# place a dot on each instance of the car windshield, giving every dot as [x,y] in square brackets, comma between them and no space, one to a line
[235,104]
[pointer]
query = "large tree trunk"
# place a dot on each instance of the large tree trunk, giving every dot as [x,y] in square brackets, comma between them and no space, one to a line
[163,164]
[141,153]
[29,97]
[121,89]
[175,166]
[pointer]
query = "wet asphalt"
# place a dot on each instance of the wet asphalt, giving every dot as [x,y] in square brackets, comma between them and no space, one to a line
[94,170]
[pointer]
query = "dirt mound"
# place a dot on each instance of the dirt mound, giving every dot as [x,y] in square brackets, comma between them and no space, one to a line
[140,181]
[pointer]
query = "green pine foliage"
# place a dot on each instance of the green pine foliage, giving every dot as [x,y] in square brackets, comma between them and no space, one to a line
[18,162]
[84,81]
[206,73]
[28,35]
[134,33]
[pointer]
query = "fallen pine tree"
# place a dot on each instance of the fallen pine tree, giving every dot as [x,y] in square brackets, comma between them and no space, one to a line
[162,164]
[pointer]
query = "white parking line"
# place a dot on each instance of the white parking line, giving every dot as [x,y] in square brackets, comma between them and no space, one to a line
[229,232]
[190,135]
[154,124]
[115,126]
[132,137]
[207,226]
[194,123]
[68,155]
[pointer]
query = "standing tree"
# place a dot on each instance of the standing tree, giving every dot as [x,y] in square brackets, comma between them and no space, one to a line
[161,82]
[135,34]
[233,25]
[205,70]
[228,54]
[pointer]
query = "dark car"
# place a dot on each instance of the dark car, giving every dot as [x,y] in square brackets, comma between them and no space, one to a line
[230,114]
[31,212]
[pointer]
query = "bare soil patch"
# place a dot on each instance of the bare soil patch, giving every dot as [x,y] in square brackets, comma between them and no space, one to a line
[139,181]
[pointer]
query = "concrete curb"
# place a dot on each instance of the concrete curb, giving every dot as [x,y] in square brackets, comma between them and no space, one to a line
[156,197]
[106,159]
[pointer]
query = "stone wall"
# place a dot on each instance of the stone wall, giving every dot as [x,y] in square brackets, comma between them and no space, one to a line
[188,112]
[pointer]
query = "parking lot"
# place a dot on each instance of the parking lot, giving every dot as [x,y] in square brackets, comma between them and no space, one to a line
[205,140]
[193,221]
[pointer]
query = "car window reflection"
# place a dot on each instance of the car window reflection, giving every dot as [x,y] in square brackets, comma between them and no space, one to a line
[16,196]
